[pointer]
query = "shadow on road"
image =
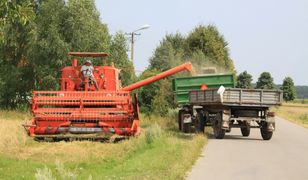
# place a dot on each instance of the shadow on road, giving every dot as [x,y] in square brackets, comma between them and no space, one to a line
[234,137]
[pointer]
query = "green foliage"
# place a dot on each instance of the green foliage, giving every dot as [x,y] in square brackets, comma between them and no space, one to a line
[14,12]
[118,49]
[36,37]
[288,89]
[244,80]
[169,53]
[204,47]
[207,39]
[302,91]
[15,72]
[265,81]
[147,93]
[48,50]
[61,28]
[163,100]
[153,133]
[83,29]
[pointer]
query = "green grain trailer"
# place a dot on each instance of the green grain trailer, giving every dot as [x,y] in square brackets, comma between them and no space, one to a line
[224,107]
[181,86]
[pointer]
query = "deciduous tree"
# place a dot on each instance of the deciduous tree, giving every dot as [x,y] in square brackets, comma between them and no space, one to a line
[265,81]
[15,28]
[244,80]
[288,89]
[204,46]
[118,55]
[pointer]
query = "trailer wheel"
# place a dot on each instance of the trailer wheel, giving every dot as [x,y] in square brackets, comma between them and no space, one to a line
[187,128]
[219,133]
[200,123]
[180,119]
[265,133]
[184,127]
[245,131]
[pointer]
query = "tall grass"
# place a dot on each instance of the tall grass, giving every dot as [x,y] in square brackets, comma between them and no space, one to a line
[13,137]
[15,115]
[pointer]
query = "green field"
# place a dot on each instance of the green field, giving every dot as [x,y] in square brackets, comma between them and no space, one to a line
[300,101]
[161,151]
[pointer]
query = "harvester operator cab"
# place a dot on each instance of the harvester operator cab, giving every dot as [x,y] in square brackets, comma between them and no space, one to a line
[87,76]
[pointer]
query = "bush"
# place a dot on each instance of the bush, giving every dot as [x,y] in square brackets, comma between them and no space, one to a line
[61,172]
[153,133]
[44,174]
[303,116]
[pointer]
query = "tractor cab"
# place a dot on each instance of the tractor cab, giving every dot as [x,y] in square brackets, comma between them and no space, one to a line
[106,76]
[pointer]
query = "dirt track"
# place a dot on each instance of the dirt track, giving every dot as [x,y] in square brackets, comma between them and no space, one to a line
[284,157]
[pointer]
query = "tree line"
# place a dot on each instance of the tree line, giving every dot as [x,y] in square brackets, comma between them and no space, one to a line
[302,91]
[36,37]
[204,46]
[266,81]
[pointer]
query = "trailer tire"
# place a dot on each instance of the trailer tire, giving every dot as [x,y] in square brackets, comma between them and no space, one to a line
[200,123]
[180,119]
[245,130]
[219,133]
[184,127]
[265,133]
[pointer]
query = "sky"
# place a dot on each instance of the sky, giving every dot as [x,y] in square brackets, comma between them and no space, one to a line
[263,35]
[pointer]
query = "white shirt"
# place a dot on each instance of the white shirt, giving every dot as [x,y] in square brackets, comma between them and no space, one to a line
[87,71]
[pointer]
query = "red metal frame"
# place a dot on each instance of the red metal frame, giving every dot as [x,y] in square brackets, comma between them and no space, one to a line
[109,110]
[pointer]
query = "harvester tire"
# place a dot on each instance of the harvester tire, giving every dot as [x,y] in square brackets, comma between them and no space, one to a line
[265,133]
[219,133]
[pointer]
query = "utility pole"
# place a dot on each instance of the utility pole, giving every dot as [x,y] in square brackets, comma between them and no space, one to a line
[132,40]
[133,44]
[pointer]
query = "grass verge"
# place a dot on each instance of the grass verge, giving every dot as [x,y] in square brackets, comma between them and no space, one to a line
[160,152]
[297,113]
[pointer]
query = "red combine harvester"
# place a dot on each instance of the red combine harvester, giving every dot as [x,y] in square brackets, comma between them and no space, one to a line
[80,111]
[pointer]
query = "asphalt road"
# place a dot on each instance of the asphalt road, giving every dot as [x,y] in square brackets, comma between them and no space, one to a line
[284,157]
